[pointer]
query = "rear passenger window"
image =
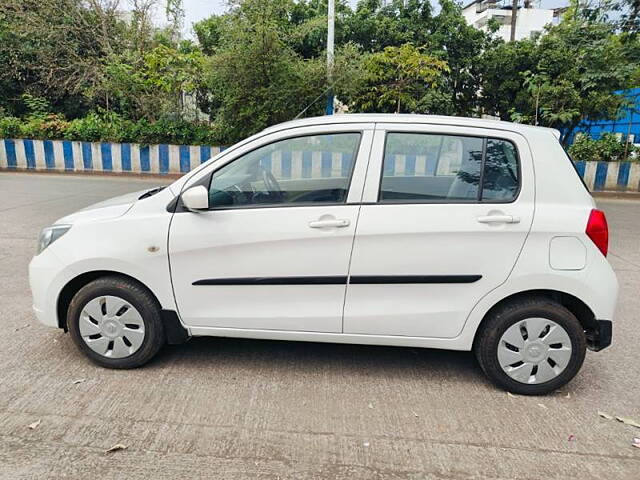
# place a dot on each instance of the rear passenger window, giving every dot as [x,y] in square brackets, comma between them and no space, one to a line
[429,168]
[500,180]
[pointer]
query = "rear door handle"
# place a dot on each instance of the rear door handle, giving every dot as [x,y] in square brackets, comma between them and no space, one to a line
[498,219]
[335,223]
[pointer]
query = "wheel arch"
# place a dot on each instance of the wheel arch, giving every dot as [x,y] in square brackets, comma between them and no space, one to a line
[75,284]
[577,307]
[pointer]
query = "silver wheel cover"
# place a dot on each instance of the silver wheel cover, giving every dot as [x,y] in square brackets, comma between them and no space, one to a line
[534,350]
[111,327]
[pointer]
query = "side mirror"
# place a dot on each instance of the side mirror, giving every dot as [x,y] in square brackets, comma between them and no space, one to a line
[196,199]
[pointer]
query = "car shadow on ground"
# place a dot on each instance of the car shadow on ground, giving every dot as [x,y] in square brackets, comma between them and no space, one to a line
[289,357]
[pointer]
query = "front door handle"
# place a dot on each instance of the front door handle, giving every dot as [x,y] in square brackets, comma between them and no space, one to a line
[498,219]
[333,223]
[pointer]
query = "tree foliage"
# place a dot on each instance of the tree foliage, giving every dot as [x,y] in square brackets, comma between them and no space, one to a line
[396,79]
[254,79]
[572,91]
[77,67]
[608,147]
[55,48]
[570,74]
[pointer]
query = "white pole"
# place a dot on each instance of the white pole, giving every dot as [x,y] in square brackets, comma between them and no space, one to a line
[331,17]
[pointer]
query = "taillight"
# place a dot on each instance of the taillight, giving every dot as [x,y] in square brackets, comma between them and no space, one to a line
[598,231]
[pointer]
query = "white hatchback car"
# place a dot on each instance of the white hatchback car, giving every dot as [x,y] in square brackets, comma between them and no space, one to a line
[405,230]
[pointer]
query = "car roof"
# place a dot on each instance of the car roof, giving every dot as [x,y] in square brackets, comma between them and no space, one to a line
[408,118]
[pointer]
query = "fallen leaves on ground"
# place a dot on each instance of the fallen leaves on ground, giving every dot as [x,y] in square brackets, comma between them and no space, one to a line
[115,448]
[628,421]
[625,420]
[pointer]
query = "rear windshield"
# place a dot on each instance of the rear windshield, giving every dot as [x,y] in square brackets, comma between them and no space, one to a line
[573,164]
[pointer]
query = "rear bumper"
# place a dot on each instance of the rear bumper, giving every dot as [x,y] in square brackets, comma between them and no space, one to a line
[599,337]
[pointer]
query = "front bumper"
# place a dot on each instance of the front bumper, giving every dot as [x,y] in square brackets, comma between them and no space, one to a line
[599,337]
[46,279]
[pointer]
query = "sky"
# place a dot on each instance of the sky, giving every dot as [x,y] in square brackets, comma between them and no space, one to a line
[196,10]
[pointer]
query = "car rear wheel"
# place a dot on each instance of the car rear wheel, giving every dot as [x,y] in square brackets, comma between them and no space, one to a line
[531,346]
[116,322]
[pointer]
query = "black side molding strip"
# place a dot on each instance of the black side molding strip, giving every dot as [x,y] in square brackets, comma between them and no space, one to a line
[337,280]
[387,279]
[341,280]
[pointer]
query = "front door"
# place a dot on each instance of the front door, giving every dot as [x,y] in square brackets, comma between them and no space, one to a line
[446,211]
[273,250]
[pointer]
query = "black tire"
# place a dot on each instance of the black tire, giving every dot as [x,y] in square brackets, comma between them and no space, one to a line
[140,298]
[488,337]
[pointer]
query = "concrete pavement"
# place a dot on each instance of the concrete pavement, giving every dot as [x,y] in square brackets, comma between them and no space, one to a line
[235,409]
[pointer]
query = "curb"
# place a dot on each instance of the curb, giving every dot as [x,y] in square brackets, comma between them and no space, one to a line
[93,173]
[617,195]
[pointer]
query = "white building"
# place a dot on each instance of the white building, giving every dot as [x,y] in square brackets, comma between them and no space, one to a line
[529,21]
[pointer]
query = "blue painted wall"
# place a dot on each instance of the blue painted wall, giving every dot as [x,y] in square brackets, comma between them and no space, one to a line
[26,154]
[629,123]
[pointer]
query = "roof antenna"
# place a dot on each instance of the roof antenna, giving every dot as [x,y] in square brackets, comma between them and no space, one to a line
[314,101]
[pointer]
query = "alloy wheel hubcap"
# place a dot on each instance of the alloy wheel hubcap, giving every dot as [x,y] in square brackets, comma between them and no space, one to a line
[534,350]
[111,327]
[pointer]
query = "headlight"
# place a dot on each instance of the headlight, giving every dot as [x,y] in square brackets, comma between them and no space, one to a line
[49,235]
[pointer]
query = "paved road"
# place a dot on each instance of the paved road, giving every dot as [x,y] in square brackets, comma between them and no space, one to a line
[232,409]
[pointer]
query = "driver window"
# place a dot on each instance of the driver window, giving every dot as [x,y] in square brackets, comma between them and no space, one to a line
[301,170]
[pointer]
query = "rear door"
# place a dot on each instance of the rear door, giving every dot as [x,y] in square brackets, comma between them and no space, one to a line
[446,211]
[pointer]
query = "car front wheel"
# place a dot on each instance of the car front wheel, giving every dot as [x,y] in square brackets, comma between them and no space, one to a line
[116,322]
[531,346]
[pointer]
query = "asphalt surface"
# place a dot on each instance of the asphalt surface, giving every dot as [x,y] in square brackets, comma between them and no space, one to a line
[227,408]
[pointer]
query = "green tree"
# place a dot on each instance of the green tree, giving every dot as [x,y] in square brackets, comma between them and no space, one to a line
[607,148]
[151,85]
[375,25]
[307,32]
[175,16]
[461,46]
[54,49]
[501,72]
[255,79]
[630,15]
[446,36]
[209,33]
[584,87]
[568,75]
[396,79]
